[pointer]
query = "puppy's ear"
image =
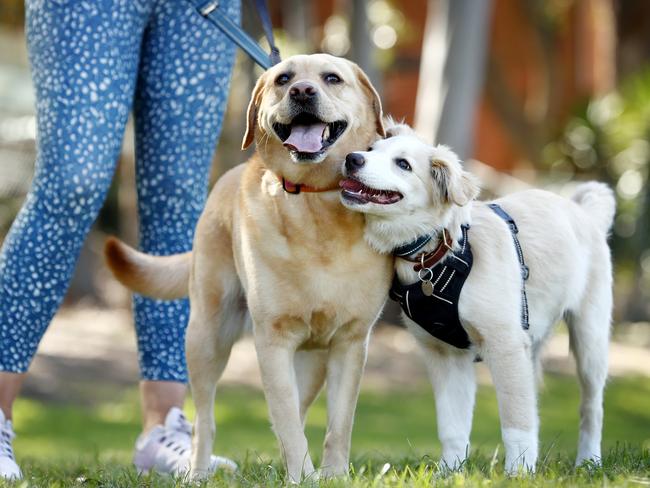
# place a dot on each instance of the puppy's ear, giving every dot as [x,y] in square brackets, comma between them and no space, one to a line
[395,128]
[251,113]
[375,100]
[456,185]
[464,189]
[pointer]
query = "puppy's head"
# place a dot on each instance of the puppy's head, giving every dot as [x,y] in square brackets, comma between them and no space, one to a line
[401,176]
[312,109]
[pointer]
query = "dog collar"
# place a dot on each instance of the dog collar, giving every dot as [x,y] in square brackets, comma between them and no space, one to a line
[297,188]
[425,260]
[412,247]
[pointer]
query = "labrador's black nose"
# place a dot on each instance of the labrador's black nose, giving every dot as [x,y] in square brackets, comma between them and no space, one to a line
[354,161]
[303,92]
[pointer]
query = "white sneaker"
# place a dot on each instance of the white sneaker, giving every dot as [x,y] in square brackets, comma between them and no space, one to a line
[168,448]
[8,467]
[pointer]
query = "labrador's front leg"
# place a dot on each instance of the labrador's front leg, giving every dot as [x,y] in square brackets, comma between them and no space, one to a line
[347,358]
[276,353]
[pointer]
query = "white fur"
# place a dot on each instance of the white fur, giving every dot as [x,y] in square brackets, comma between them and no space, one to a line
[565,246]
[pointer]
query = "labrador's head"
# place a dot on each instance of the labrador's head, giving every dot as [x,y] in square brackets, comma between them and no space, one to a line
[309,111]
[402,176]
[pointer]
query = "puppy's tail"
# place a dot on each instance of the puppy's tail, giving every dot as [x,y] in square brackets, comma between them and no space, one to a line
[598,200]
[163,277]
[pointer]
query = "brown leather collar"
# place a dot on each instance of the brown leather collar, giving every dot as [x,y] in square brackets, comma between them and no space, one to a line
[430,259]
[297,188]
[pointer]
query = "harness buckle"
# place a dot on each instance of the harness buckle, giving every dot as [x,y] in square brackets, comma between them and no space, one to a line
[446,239]
[525,272]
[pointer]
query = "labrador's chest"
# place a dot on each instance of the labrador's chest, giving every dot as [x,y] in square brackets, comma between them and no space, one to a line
[311,267]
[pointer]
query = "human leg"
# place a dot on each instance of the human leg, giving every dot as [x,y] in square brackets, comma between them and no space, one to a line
[84,86]
[180,100]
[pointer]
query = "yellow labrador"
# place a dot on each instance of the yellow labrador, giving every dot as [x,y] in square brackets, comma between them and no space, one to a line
[275,247]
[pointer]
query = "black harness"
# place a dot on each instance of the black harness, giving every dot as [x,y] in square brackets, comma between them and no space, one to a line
[432,302]
[438,313]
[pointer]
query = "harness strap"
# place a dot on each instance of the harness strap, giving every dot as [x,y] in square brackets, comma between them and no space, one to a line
[211,11]
[505,216]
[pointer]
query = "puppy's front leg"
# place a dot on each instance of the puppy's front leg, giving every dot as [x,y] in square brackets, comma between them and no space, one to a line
[275,352]
[452,376]
[511,365]
[347,358]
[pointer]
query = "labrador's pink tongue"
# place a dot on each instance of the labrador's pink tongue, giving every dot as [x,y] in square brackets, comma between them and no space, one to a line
[306,138]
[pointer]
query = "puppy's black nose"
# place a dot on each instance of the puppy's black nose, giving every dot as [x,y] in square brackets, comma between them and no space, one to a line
[303,92]
[354,161]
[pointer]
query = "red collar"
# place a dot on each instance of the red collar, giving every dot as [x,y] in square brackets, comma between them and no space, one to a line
[297,188]
[430,259]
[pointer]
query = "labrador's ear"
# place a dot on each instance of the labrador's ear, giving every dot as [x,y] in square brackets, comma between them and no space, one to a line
[374,99]
[251,113]
[454,183]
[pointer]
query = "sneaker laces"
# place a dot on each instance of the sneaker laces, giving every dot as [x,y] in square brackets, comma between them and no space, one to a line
[6,437]
[183,426]
[177,436]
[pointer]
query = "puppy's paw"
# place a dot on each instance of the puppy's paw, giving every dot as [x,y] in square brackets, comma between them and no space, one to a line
[521,451]
[588,460]
[453,460]
[520,465]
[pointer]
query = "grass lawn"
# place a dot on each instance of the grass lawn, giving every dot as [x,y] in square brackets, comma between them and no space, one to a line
[394,440]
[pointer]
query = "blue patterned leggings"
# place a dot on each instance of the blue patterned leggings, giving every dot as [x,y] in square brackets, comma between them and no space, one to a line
[92,63]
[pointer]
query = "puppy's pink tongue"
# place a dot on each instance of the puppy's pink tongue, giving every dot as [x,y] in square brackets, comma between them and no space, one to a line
[306,138]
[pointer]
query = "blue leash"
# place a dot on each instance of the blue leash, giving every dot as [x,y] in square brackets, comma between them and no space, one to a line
[211,11]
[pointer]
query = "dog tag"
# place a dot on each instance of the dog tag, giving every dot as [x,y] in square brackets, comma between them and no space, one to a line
[427,288]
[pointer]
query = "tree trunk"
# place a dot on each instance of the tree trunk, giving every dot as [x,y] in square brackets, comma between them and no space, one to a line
[452,71]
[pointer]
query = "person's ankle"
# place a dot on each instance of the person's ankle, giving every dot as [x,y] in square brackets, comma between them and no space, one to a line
[151,424]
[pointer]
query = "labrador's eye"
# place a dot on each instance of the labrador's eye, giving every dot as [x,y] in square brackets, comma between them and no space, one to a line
[403,164]
[282,79]
[332,78]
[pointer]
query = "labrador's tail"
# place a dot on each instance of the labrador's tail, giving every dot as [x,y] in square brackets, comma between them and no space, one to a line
[163,277]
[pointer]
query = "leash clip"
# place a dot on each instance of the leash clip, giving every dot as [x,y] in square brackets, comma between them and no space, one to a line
[209,7]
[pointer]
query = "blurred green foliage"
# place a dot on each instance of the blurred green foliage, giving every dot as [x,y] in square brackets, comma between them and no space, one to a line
[607,139]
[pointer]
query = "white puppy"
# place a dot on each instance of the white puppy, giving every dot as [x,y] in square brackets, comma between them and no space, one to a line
[409,189]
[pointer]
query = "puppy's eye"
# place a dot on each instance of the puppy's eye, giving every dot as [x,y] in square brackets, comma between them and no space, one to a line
[332,78]
[283,79]
[369,149]
[403,164]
